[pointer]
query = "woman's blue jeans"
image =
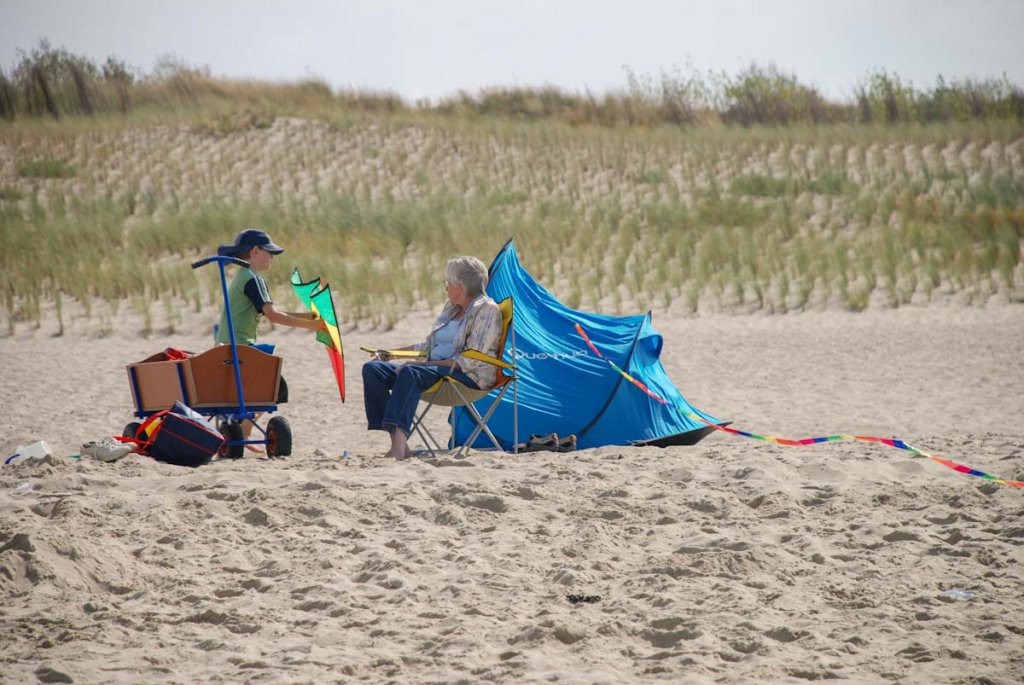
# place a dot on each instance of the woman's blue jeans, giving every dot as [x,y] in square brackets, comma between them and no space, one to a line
[391,391]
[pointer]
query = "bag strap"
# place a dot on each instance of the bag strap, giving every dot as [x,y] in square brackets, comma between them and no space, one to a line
[144,444]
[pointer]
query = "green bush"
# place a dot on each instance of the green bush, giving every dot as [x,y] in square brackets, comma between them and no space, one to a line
[764,95]
[45,167]
[760,185]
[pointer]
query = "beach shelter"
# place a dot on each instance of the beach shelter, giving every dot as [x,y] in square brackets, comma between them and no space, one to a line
[565,389]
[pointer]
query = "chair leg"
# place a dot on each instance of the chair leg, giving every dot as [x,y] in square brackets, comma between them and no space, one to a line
[487,417]
[428,438]
[480,427]
[434,446]
[515,405]
[481,423]
[429,441]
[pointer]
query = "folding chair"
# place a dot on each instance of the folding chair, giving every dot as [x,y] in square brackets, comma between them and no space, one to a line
[449,392]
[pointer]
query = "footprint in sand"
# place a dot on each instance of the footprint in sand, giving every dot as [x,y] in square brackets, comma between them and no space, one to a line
[446,516]
[46,674]
[811,674]
[783,634]
[755,502]
[917,653]
[746,646]
[616,492]
[491,503]
[314,605]
[256,517]
[527,493]
[706,506]
[568,636]
[666,632]
[901,536]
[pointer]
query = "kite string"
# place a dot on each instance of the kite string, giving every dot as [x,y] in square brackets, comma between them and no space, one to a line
[898,444]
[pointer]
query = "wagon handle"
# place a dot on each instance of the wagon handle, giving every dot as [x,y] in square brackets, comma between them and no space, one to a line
[227,260]
[221,261]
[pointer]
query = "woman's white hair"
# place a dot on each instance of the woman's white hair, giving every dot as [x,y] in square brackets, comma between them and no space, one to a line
[469,272]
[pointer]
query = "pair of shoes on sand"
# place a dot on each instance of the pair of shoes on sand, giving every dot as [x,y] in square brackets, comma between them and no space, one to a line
[107,449]
[550,443]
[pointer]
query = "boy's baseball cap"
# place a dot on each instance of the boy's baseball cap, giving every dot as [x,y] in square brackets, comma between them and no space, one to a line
[250,237]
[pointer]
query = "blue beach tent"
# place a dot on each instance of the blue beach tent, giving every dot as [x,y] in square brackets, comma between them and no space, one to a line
[565,388]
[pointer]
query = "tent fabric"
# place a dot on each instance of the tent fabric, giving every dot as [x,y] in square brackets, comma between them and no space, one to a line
[565,389]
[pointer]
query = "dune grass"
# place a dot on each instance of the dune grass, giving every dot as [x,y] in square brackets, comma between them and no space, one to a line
[52,82]
[616,220]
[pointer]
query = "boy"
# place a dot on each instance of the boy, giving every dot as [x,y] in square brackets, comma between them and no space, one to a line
[250,299]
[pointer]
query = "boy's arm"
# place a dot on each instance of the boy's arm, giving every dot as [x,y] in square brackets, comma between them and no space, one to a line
[304,320]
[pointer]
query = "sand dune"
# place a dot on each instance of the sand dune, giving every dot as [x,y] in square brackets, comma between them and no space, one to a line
[731,561]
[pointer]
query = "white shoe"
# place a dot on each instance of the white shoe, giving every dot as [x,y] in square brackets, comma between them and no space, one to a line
[107,449]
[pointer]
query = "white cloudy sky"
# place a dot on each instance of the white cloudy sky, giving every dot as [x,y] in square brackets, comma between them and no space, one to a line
[432,48]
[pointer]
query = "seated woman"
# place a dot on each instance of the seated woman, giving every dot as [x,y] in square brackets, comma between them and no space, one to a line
[470,321]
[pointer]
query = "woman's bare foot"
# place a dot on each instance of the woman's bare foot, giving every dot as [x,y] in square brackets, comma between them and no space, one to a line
[399,453]
[399,446]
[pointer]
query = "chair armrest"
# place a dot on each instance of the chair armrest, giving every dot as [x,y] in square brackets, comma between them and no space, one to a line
[469,354]
[398,353]
[488,359]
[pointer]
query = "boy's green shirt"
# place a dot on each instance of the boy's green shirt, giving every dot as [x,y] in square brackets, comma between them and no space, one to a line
[244,315]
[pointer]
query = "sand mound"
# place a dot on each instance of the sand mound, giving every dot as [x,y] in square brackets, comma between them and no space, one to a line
[731,561]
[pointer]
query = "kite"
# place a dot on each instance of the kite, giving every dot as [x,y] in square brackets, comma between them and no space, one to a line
[898,444]
[317,299]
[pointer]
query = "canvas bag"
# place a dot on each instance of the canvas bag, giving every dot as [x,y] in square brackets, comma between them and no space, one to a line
[180,436]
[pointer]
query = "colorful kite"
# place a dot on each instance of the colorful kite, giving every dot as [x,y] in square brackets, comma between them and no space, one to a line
[898,444]
[318,300]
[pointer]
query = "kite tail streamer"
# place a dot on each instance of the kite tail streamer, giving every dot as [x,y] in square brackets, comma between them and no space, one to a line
[898,444]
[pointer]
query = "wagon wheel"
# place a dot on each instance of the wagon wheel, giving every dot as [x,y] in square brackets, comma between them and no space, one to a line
[232,432]
[279,437]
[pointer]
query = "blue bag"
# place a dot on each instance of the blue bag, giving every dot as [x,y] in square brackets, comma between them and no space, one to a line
[183,437]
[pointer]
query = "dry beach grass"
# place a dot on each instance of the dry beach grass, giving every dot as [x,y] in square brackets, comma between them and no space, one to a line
[615,220]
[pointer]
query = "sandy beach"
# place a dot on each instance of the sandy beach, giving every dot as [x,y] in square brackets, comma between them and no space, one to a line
[732,561]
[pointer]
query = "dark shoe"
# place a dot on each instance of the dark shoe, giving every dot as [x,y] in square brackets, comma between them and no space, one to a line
[540,443]
[566,444]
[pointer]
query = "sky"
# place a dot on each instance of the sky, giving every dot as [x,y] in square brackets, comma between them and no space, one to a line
[436,48]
